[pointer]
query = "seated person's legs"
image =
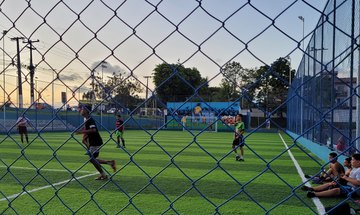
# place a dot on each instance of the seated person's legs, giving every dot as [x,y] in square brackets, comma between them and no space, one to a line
[326,193]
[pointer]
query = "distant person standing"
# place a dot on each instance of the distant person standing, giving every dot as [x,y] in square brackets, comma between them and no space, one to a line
[183,120]
[238,137]
[95,141]
[22,123]
[197,113]
[203,119]
[119,131]
[198,109]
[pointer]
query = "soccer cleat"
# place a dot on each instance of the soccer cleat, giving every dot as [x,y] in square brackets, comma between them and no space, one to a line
[101,177]
[310,194]
[306,188]
[239,158]
[307,176]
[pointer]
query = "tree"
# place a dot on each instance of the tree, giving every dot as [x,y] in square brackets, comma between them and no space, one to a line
[119,89]
[236,83]
[230,84]
[176,83]
[271,87]
[89,95]
[123,90]
[214,94]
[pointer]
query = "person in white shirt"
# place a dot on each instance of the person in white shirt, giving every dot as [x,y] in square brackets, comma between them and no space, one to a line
[341,187]
[22,123]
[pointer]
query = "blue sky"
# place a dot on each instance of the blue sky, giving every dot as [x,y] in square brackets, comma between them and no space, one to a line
[202,34]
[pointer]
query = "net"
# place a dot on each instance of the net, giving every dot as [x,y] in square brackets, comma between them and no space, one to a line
[200,123]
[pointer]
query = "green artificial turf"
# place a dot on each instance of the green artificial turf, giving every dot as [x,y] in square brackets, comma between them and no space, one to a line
[160,172]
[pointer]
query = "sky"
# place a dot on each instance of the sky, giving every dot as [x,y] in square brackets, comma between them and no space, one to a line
[135,36]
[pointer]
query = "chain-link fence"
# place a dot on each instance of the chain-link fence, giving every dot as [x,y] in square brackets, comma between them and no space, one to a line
[325,89]
[133,58]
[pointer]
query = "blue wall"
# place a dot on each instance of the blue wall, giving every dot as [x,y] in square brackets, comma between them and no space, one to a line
[104,122]
[321,151]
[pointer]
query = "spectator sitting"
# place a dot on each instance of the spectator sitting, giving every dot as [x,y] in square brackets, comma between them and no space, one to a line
[349,183]
[340,144]
[335,171]
[347,164]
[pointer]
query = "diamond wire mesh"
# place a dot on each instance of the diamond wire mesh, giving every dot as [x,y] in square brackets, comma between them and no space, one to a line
[328,68]
[86,27]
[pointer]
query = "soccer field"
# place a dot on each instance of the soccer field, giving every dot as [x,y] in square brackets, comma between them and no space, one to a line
[163,172]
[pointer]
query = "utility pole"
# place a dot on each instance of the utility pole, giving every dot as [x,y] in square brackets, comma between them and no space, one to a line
[32,69]
[20,100]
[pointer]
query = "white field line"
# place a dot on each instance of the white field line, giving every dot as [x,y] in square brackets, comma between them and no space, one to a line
[48,170]
[317,202]
[45,187]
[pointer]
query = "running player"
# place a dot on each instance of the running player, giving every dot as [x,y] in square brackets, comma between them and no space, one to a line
[95,141]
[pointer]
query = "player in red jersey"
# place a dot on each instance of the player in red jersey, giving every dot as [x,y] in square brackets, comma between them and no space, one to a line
[119,131]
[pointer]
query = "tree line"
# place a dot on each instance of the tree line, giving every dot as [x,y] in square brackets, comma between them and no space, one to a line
[265,87]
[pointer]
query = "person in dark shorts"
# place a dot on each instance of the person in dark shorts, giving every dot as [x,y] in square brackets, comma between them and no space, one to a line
[342,187]
[22,123]
[335,171]
[238,138]
[119,131]
[95,141]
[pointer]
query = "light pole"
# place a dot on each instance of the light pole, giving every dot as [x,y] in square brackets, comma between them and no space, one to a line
[37,93]
[103,65]
[303,31]
[146,93]
[52,99]
[302,76]
[93,89]
[52,92]
[289,59]
[4,33]
[36,101]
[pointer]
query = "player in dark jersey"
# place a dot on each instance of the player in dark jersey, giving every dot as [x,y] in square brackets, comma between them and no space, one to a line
[119,131]
[95,141]
[21,123]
